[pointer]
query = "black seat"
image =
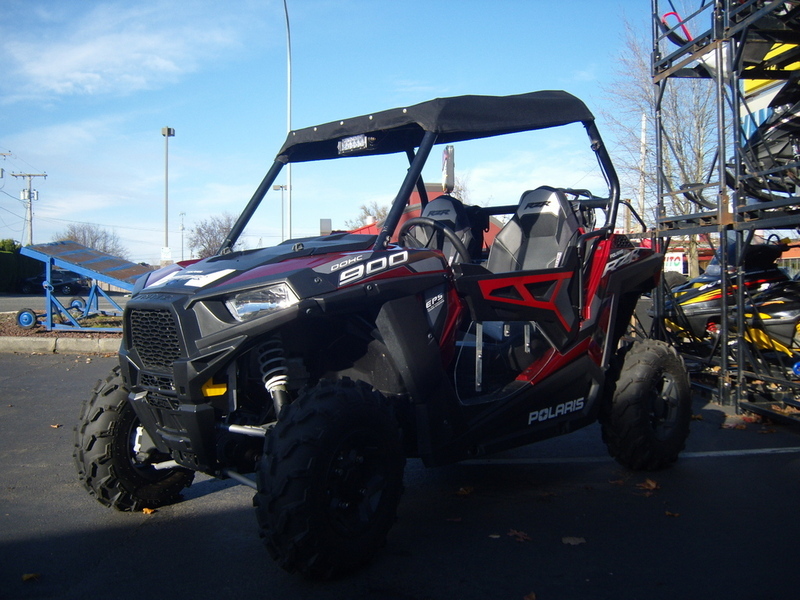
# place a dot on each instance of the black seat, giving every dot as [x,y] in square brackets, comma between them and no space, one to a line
[451,213]
[540,235]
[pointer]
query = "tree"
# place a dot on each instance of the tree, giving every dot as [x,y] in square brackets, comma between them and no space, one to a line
[207,235]
[9,245]
[689,131]
[368,214]
[93,236]
[461,188]
[375,213]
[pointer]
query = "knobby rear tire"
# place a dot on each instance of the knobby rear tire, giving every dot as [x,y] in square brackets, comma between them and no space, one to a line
[646,422]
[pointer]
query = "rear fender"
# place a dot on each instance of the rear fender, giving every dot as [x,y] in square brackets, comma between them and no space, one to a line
[625,284]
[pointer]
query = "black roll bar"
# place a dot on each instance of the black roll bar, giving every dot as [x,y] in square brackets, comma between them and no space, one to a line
[409,183]
[612,180]
[252,206]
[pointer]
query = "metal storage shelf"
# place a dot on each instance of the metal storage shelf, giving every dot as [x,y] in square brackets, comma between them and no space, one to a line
[746,51]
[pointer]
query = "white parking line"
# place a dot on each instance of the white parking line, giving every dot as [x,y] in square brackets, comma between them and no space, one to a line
[600,459]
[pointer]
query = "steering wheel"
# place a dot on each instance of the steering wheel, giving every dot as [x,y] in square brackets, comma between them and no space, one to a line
[461,249]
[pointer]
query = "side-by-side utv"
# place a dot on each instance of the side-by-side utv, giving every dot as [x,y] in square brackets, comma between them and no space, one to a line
[321,364]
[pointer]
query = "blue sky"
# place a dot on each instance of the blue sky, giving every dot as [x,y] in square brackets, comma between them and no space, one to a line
[88,85]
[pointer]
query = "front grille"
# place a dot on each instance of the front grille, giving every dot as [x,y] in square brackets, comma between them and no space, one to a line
[154,335]
[157,382]
[160,401]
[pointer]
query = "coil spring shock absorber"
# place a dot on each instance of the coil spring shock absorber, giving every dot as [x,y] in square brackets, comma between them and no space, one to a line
[274,372]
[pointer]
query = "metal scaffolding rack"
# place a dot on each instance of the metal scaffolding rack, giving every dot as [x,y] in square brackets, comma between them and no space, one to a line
[749,53]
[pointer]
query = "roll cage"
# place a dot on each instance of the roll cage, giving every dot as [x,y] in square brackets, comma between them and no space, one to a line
[414,130]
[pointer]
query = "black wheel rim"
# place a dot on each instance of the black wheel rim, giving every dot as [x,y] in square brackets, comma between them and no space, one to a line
[356,481]
[664,406]
[140,464]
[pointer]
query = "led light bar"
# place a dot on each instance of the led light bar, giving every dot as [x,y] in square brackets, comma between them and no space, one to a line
[355,143]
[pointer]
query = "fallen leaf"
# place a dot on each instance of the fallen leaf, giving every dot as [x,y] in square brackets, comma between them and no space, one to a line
[671,514]
[56,425]
[738,426]
[617,482]
[697,417]
[30,577]
[751,418]
[494,536]
[768,430]
[649,487]
[148,511]
[531,596]
[648,484]
[465,491]
[573,541]
[519,536]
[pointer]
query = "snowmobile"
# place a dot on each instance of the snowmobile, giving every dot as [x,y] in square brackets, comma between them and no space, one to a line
[694,309]
[772,320]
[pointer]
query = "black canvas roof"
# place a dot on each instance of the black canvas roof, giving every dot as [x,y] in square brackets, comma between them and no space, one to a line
[453,119]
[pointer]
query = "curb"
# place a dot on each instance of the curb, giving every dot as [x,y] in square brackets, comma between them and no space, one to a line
[59,345]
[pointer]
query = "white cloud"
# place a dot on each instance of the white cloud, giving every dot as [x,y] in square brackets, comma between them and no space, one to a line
[112,48]
[584,75]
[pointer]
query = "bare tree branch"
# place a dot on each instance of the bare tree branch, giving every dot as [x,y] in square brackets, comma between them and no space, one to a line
[368,214]
[94,236]
[207,235]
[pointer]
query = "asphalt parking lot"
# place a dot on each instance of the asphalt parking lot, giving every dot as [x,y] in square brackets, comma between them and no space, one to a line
[558,520]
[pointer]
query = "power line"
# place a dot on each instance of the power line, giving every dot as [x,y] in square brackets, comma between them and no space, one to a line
[150,230]
[17,157]
[11,212]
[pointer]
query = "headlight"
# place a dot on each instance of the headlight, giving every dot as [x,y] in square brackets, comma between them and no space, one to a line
[256,303]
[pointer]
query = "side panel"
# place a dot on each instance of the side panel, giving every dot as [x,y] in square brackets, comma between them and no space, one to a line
[563,402]
[403,325]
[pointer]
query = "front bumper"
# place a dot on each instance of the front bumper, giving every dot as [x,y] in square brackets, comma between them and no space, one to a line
[172,350]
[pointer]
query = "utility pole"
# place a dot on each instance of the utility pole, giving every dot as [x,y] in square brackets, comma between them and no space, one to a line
[28,197]
[642,164]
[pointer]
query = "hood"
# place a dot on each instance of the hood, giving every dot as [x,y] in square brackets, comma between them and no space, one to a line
[248,268]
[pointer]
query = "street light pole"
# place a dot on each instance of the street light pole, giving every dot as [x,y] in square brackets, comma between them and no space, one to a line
[288,112]
[167,132]
[281,188]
